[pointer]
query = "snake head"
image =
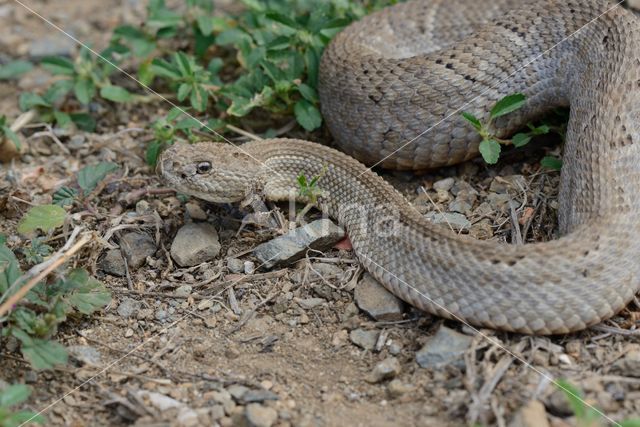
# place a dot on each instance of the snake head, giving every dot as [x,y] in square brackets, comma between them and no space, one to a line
[215,172]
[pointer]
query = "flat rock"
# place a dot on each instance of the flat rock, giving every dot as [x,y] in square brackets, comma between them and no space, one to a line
[377,301]
[160,401]
[457,221]
[387,369]
[137,247]
[260,416]
[113,263]
[128,307]
[318,235]
[256,396]
[446,347]
[364,339]
[194,244]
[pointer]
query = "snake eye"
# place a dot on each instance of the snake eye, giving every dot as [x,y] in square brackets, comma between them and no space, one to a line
[203,167]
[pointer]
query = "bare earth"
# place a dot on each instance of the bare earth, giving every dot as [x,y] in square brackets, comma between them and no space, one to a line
[267,331]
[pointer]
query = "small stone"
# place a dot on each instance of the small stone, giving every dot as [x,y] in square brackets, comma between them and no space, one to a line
[237,391]
[162,315]
[532,414]
[387,369]
[210,322]
[249,267]
[377,301]
[253,396]
[446,347]
[365,339]
[113,263]
[195,211]
[195,244]
[309,303]
[395,348]
[235,265]
[137,247]
[558,404]
[397,388]
[216,412]
[460,206]
[629,365]
[187,417]
[444,184]
[318,235]
[86,354]
[339,339]
[205,304]
[128,333]
[260,416]
[128,307]
[498,201]
[184,291]
[160,401]
[456,221]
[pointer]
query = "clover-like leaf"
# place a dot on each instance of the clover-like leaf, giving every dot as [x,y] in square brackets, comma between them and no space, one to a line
[490,150]
[43,217]
[507,105]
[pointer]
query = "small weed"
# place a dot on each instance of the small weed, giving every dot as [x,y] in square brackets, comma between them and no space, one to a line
[13,395]
[490,146]
[309,188]
[87,180]
[5,131]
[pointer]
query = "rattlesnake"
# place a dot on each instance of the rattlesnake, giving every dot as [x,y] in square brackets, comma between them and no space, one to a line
[414,66]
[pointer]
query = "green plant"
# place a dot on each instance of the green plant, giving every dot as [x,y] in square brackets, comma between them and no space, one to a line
[11,396]
[587,416]
[5,131]
[490,146]
[87,180]
[309,188]
[37,251]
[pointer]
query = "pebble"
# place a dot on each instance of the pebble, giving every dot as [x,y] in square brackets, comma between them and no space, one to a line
[187,417]
[237,391]
[128,307]
[159,400]
[183,291]
[318,235]
[253,396]
[195,244]
[137,247]
[113,263]
[629,365]
[365,339]
[249,267]
[235,265]
[446,347]
[532,414]
[387,369]
[205,304]
[457,221]
[216,412]
[444,184]
[86,354]
[375,300]
[195,211]
[309,303]
[260,416]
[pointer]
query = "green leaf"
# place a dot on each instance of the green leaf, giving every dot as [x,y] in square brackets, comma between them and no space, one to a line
[12,136]
[585,414]
[520,139]
[14,69]
[115,94]
[490,151]
[64,196]
[90,176]
[84,90]
[633,422]
[551,162]
[42,354]
[30,100]
[89,294]
[62,119]
[44,217]
[84,121]
[162,68]
[472,119]
[9,268]
[183,91]
[540,130]
[199,97]
[307,115]
[58,65]
[20,418]
[507,105]
[14,394]
[308,92]
[153,151]
[232,36]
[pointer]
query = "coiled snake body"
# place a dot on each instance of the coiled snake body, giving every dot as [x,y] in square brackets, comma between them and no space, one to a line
[388,78]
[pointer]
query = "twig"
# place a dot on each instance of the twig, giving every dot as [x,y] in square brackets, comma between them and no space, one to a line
[244,133]
[40,271]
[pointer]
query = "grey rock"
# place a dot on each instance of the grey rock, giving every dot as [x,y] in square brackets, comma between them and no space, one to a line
[377,301]
[364,339]
[319,235]
[249,267]
[128,307]
[253,396]
[387,369]
[216,412]
[54,44]
[113,263]
[235,265]
[444,184]
[260,416]
[85,353]
[498,201]
[237,391]
[159,401]
[162,315]
[183,291]
[195,244]
[629,365]
[461,206]
[137,247]
[446,347]
[457,221]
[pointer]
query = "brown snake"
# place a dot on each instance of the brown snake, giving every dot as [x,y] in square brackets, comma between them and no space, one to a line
[388,78]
